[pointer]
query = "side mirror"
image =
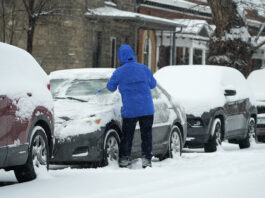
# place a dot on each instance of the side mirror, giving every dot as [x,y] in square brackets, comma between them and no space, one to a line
[230,92]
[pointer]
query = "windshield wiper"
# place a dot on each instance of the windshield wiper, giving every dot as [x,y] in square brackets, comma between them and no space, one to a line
[70,98]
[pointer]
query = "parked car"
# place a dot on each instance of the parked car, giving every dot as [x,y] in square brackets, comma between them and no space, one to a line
[26,114]
[88,124]
[256,80]
[217,101]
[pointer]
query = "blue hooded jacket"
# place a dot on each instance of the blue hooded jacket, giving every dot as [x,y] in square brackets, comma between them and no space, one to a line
[135,82]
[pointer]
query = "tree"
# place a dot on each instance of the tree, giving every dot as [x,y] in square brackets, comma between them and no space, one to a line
[35,9]
[231,44]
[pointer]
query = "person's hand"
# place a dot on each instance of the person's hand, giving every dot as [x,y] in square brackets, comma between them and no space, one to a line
[98,91]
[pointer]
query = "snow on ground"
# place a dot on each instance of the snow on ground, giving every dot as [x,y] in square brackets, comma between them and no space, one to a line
[229,172]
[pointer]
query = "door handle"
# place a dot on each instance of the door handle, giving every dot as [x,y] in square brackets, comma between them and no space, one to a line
[29,94]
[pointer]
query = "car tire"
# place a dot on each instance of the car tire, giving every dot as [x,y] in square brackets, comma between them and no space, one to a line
[175,143]
[38,156]
[215,138]
[261,139]
[245,143]
[111,147]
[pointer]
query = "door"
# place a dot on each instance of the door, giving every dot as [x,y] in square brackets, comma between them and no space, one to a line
[4,105]
[161,125]
[231,111]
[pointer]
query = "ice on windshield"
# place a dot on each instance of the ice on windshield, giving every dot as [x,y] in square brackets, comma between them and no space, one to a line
[85,90]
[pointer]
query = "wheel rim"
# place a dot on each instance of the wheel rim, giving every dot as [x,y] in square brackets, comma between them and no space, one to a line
[218,134]
[112,149]
[175,145]
[39,152]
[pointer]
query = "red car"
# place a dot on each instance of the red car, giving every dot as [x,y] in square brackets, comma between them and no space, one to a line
[26,114]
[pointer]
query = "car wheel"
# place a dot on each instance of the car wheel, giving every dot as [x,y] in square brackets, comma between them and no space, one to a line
[216,137]
[175,143]
[245,143]
[111,147]
[38,156]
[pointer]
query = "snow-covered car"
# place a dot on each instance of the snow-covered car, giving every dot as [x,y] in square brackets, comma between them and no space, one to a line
[88,123]
[26,114]
[256,80]
[218,103]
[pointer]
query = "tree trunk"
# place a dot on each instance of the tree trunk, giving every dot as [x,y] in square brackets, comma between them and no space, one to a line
[4,21]
[30,34]
[230,45]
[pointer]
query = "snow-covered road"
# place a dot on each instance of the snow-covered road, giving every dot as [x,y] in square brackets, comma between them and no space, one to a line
[229,172]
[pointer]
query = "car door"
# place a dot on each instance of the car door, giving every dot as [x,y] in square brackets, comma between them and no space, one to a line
[161,124]
[235,107]
[4,104]
[231,111]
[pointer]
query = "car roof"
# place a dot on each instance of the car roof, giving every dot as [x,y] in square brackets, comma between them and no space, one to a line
[83,73]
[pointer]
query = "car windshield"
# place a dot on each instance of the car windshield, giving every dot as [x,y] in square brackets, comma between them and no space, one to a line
[80,90]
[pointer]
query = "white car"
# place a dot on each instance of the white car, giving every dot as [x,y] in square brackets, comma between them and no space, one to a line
[256,80]
[217,101]
[88,123]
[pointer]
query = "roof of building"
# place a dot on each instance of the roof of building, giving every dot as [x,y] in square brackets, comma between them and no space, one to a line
[121,14]
[255,9]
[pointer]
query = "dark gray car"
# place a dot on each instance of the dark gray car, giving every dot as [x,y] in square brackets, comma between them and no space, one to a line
[88,124]
[218,104]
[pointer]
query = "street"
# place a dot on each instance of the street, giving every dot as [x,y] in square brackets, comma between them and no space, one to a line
[229,172]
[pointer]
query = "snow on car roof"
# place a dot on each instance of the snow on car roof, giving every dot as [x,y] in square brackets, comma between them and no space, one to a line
[256,80]
[83,73]
[21,74]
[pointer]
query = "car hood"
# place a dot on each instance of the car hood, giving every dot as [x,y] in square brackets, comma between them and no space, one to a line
[73,118]
[72,110]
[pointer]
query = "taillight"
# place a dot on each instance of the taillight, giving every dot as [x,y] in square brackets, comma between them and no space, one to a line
[49,86]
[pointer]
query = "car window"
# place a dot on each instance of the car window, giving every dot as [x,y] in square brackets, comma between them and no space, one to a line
[155,93]
[86,87]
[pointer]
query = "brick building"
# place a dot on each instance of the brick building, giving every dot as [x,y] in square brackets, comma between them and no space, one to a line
[87,33]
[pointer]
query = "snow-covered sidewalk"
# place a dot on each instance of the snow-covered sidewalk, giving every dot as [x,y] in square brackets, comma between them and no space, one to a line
[229,172]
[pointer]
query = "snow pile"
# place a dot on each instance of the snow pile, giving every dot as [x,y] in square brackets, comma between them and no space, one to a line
[256,80]
[20,77]
[201,88]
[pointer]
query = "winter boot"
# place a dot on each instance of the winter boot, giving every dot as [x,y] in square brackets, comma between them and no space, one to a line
[146,162]
[124,162]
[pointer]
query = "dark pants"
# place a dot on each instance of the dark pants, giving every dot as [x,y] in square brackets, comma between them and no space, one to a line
[128,128]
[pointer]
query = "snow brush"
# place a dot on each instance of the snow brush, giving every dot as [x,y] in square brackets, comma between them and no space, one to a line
[99,91]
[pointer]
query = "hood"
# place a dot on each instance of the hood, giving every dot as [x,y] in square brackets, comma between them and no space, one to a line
[75,110]
[126,54]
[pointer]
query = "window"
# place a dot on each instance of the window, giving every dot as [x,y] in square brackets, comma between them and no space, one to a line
[197,57]
[113,52]
[96,49]
[182,56]
[148,52]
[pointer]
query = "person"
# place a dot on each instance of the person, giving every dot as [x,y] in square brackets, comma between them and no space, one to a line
[134,82]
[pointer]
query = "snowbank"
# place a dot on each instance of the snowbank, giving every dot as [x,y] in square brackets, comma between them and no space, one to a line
[20,75]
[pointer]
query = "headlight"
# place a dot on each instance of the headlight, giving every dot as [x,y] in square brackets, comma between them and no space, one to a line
[195,122]
[96,121]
